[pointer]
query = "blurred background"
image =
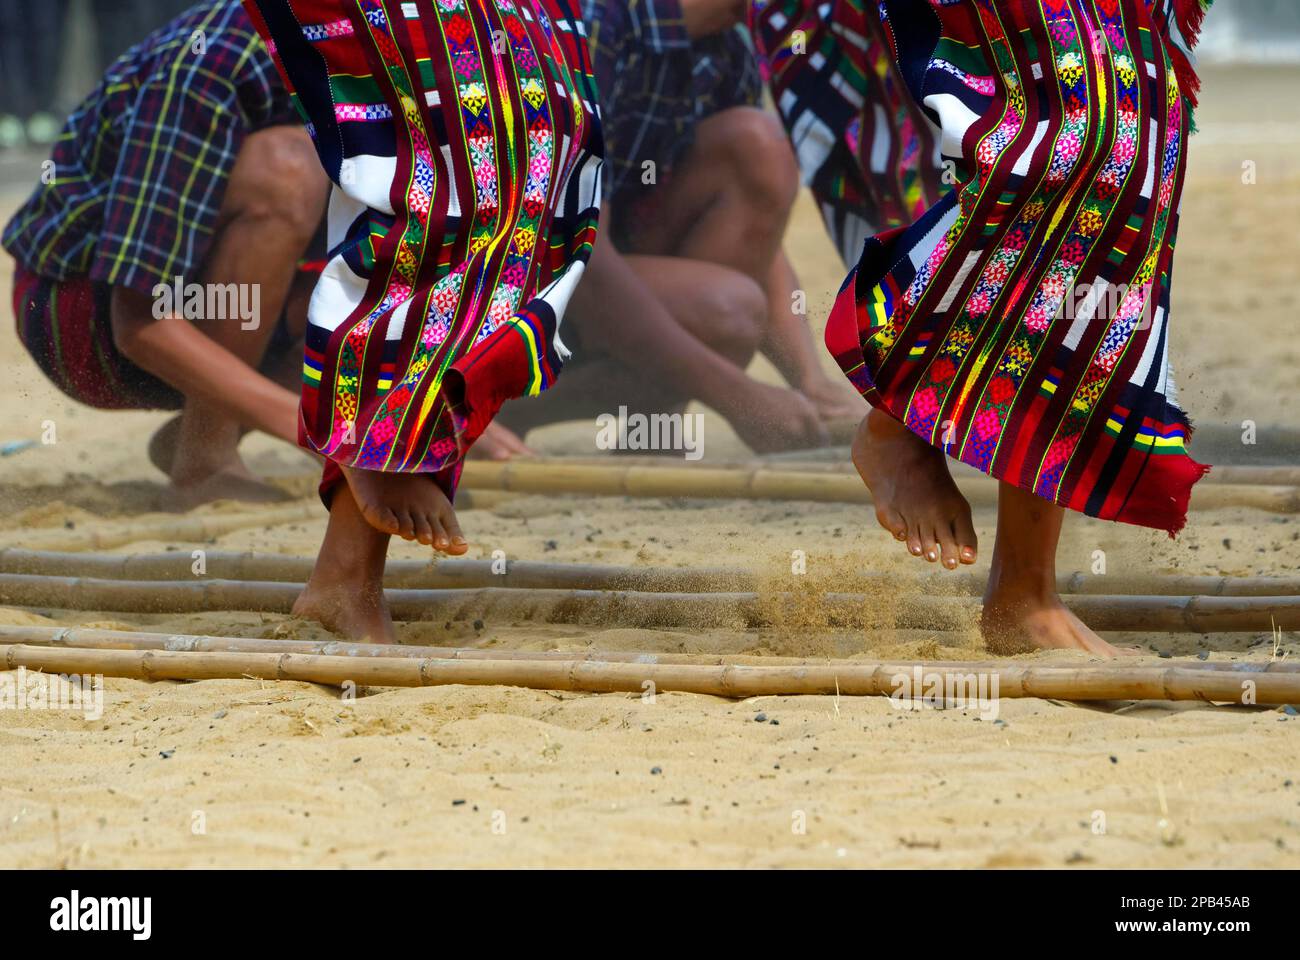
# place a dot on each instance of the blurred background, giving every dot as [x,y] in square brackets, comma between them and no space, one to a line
[52,52]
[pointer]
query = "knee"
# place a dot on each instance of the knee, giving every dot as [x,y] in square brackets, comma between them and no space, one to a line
[760,155]
[278,177]
[736,312]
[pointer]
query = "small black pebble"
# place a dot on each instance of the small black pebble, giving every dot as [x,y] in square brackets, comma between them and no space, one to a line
[655,771]
[760,717]
[166,754]
[356,759]
[458,803]
[775,722]
[478,624]
[1114,759]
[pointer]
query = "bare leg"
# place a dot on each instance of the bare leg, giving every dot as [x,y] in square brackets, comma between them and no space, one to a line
[788,343]
[915,497]
[1022,609]
[730,200]
[273,205]
[284,369]
[721,309]
[346,591]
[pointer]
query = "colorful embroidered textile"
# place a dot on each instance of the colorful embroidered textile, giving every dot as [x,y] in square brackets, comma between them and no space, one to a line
[865,147]
[463,140]
[140,170]
[1021,323]
[656,84]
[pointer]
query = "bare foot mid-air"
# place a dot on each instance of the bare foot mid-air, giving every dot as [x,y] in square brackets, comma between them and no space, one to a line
[346,591]
[915,497]
[202,468]
[917,502]
[407,505]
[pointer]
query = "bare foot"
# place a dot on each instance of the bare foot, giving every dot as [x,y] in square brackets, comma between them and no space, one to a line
[346,591]
[359,613]
[1018,622]
[230,483]
[408,505]
[915,497]
[162,445]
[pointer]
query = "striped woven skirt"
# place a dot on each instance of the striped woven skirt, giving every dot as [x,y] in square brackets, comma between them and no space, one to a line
[1020,322]
[463,141]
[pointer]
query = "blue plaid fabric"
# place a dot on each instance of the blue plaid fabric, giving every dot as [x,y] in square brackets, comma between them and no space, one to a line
[656,84]
[140,170]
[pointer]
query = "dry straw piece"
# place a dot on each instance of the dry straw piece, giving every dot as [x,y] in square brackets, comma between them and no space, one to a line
[730,680]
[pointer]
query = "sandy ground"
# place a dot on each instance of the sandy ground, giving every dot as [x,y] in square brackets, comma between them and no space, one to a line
[252,773]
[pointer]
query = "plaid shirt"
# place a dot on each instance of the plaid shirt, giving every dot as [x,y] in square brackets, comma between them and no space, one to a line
[656,83]
[141,167]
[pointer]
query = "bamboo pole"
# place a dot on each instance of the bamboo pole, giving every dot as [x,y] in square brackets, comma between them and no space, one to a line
[637,609]
[524,574]
[838,460]
[734,681]
[429,575]
[94,639]
[764,483]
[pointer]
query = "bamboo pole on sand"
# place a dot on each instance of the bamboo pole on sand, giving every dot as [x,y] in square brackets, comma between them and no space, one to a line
[764,483]
[731,680]
[95,639]
[837,460]
[654,610]
[524,574]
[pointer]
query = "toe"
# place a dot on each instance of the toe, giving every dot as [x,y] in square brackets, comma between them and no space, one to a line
[424,530]
[405,525]
[440,541]
[382,519]
[893,521]
[949,551]
[967,540]
[458,543]
[930,542]
[914,545]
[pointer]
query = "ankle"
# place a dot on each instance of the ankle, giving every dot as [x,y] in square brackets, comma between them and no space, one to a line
[1020,585]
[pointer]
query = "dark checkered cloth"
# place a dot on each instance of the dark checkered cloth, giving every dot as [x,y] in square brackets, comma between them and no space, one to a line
[140,171]
[656,84]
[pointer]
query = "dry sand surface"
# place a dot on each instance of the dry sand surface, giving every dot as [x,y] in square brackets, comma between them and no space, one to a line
[290,775]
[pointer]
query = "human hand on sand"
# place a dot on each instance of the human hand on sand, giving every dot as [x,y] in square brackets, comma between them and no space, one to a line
[770,418]
[834,399]
[499,443]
